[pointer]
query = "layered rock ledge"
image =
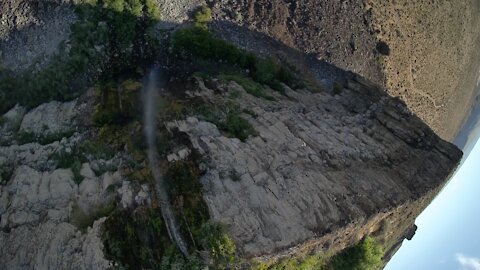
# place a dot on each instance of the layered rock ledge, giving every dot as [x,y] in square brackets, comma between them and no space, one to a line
[323,171]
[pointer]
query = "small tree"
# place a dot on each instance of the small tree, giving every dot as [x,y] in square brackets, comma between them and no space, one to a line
[202,17]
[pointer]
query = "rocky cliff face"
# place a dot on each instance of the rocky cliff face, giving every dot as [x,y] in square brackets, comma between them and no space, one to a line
[323,171]
[48,209]
[37,199]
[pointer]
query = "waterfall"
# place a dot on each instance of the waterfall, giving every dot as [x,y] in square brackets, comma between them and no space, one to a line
[154,82]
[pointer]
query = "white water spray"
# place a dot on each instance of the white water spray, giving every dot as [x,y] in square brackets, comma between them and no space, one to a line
[153,84]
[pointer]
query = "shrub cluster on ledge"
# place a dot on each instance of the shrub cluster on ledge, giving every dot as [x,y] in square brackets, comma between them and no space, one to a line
[365,255]
[197,42]
[226,117]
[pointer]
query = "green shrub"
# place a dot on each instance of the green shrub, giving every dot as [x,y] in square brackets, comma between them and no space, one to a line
[96,150]
[6,173]
[153,10]
[198,42]
[226,118]
[185,189]
[24,137]
[221,248]
[264,71]
[249,85]
[135,240]
[76,167]
[202,75]
[250,112]
[366,255]
[118,103]
[202,17]
[310,262]
[236,126]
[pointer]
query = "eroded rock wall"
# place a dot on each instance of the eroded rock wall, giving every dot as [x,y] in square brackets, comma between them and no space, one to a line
[48,216]
[320,163]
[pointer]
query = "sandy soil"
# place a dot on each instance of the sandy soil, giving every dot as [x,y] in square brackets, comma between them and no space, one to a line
[433,59]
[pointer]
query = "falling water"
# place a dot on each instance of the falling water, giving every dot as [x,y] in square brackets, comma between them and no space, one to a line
[154,82]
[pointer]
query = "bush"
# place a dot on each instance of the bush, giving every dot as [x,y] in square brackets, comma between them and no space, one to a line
[250,86]
[226,118]
[72,160]
[218,244]
[198,42]
[236,126]
[310,262]
[366,255]
[96,150]
[118,103]
[135,240]
[43,139]
[185,189]
[152,9]
[202,17]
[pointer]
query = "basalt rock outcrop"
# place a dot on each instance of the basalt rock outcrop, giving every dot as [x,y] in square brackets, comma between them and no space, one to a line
[323,170]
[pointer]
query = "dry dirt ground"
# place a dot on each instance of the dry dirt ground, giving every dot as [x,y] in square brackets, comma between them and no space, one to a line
[434,58]
[334,31]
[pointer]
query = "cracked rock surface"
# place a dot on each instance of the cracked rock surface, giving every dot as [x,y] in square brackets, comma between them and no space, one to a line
[318,163]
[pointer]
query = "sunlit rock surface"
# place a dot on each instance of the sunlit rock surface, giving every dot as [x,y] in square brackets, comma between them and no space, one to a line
[320,163]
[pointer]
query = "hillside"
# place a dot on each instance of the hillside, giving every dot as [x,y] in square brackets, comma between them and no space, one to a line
[176,135]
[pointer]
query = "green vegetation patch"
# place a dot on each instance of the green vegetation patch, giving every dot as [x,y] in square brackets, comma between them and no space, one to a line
[139,240]
[311,262]
[198,43]
[72,160]
[236,126]
[252,87]
[226,117]
[185,190]
[203,16]
[43,139]
[186,195]
[118,103]
[111,38]
[366,255]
